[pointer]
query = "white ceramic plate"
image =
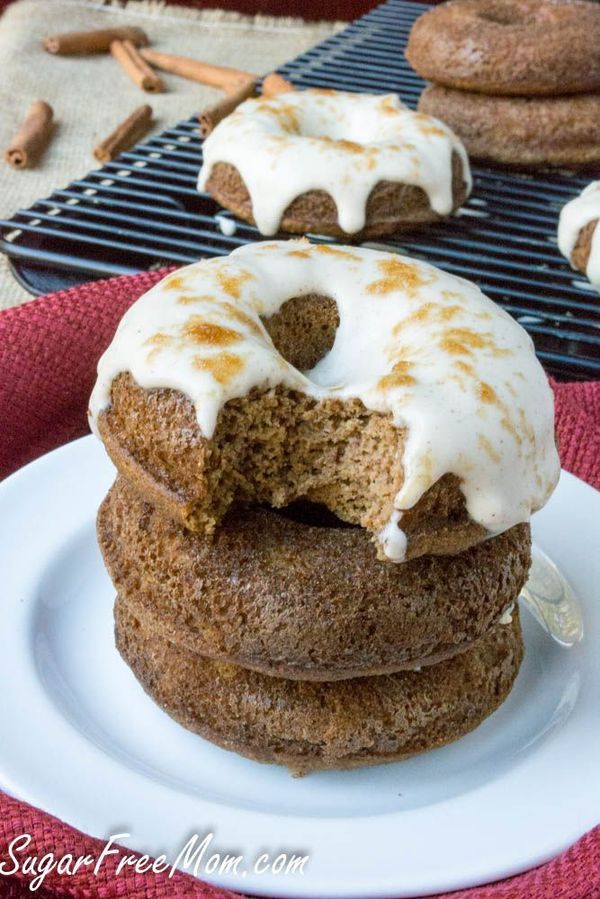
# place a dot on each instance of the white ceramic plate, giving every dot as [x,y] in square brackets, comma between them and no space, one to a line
[81,740]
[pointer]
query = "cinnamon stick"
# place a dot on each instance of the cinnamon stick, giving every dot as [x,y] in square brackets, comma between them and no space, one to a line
[126,54]
[210,118]
[125,135]
[33,135]
[72,42]
[274,84]
[217,76]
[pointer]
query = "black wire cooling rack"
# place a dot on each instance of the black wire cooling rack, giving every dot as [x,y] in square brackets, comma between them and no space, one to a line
[142,211]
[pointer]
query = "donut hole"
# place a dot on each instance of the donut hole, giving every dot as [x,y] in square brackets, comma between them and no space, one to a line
[303,330]
[314,515]
[504,14]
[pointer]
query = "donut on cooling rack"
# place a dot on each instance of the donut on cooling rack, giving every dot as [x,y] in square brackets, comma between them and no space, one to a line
[520,131]
[310,726]
[334,163]
[316,603]
[578,234]
[509,47]
[397,395]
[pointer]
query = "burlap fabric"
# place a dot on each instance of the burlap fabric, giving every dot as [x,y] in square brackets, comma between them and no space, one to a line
[91,94]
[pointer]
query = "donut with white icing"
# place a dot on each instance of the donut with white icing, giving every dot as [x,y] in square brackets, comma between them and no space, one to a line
[578,234]
[335,163]
[395,394]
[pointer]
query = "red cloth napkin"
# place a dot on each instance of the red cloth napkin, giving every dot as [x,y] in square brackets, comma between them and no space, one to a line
[48,354]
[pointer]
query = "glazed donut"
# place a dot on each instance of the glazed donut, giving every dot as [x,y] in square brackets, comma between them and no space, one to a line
[311,726]
[509,47]
[552,131]
[334,163]
[395,394]
[299,600]
[578,235]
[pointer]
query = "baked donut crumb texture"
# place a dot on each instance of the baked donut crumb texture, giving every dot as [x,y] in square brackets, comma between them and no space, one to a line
[199,409]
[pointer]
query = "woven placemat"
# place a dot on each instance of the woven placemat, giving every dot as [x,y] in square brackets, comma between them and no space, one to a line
[90,95]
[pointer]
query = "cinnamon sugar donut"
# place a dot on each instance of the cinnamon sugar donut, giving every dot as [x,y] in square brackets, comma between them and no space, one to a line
[509,47]
[520,131]
[303,597]
[334,163]
[311,726]
[578,234]
[397,395]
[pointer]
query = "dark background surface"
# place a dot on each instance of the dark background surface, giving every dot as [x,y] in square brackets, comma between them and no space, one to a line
[306,9]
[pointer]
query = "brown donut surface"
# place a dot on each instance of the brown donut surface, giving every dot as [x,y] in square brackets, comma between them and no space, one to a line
[583,247]
[299,600]
[511,47]
[310,726]
[391,207]
[519,131]
[275,447]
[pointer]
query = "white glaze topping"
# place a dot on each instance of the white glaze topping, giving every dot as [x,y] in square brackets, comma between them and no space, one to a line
[427,348]
[342,143]
[578,213]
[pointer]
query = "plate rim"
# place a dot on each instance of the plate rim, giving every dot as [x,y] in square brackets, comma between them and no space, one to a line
[68,811]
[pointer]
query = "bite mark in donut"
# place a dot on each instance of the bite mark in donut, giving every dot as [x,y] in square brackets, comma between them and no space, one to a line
[390,429]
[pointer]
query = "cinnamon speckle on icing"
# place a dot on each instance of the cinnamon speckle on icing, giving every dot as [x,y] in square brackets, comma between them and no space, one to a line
[342,143]
[486,393]
[488,448]
[201,331]
[397,274]
[466,341]
[223,367]
[325,249]
[173,282]
[455,373]
[232,283]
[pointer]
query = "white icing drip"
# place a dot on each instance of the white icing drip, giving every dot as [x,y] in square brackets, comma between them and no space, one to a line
[226,225]
[573,217]
[425,347]
[393,539]
[507,615]
[342,143]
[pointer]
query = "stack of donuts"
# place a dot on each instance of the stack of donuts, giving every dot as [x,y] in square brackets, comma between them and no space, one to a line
[517,80]
[327,458]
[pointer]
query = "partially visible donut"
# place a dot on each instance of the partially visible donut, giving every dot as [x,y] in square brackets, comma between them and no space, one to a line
[336,163]
[300,600]
[393,393]
[310,726]
[520,131]
[509,47]
[578,233]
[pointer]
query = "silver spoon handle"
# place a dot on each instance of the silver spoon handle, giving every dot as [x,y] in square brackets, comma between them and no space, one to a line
[552,600]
